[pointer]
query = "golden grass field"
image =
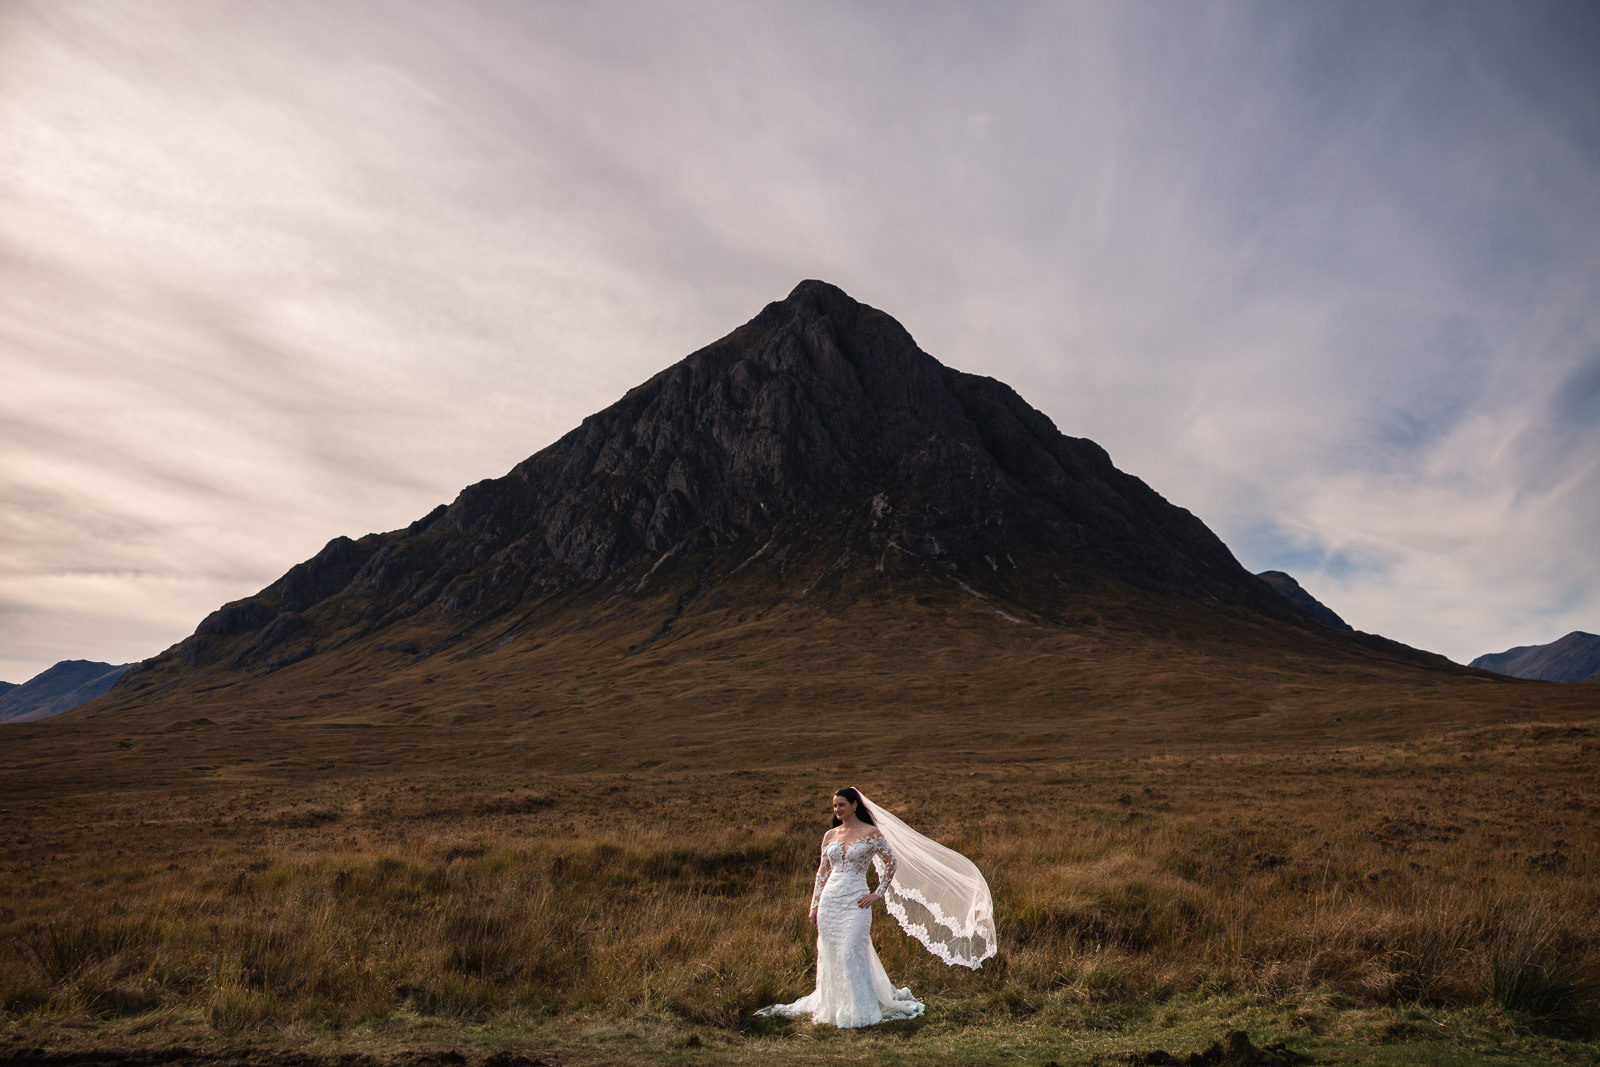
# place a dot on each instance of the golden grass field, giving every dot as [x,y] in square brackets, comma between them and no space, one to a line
[581,856]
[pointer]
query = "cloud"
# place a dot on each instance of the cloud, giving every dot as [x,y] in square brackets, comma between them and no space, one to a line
[274,273]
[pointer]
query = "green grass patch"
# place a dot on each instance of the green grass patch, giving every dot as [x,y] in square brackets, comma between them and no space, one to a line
[1322,1027]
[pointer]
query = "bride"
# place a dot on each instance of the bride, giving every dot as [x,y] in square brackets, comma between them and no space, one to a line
[935,893]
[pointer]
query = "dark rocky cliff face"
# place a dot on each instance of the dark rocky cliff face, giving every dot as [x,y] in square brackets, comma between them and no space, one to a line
[1292,591]
[818,427]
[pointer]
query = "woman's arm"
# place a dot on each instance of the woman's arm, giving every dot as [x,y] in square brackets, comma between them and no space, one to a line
[824,868]
[890,864]
[886,869]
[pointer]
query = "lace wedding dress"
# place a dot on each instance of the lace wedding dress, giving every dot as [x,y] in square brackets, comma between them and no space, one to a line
[936,894]
[853,989]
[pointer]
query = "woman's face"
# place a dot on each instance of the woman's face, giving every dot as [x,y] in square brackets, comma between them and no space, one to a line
[843,810]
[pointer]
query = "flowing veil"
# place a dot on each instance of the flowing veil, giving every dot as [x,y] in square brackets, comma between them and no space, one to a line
[938,896]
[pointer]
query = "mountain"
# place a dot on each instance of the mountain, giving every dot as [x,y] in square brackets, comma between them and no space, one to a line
[809,500]
[57,689]
[1573,658]
[1285,586]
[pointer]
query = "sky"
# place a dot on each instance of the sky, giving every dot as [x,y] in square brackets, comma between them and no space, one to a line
[1327,275]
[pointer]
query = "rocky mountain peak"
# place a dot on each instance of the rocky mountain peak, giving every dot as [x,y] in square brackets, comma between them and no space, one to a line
[819,430]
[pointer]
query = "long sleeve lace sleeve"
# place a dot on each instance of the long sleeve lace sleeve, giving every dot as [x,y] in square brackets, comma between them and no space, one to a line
[886,864]
[823,870]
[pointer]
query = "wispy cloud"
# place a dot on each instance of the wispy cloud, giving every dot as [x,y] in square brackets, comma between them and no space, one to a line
[272,273]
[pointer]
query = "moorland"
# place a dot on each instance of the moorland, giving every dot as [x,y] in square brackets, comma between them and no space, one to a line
[605,858]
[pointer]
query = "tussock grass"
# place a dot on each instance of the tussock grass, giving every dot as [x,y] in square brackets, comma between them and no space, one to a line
[1400,878]
[340,939]
[1539,970]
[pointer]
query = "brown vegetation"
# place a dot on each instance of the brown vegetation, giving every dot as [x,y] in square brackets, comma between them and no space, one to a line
[636,842]
[1462,870]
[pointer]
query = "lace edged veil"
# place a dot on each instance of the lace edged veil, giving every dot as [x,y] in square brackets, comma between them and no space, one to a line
[938,896]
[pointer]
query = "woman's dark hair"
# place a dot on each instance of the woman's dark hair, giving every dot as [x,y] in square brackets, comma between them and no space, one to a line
[862,811]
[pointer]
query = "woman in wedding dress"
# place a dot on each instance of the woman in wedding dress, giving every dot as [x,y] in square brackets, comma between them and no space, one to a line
[936,895]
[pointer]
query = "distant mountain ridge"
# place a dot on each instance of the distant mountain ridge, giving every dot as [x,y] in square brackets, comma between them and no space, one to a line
[56,689]
[1573,658]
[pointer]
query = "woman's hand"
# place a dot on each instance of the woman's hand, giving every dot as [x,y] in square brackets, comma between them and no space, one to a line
[868,900]
[813,916]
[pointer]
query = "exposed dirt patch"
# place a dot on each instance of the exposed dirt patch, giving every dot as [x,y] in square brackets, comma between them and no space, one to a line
[1234,1050]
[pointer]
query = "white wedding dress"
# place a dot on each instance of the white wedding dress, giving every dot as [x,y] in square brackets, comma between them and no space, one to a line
[853,989]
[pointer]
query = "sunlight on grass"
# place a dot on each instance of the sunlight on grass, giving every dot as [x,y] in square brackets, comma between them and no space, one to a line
[1387,899]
